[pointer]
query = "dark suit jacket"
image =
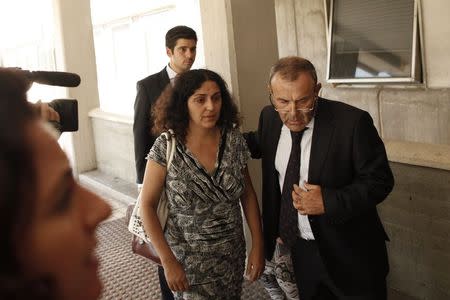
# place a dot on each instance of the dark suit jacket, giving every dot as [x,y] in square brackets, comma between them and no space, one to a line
[148,91]
[348,160]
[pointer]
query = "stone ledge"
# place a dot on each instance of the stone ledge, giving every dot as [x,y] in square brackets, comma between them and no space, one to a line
[98,113]
[419,154]
[110,186]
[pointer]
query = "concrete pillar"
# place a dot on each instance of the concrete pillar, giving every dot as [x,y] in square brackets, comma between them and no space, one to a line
[218,40]
[255,40]
[75,53]
[286,27]
[241,44]
[301,30]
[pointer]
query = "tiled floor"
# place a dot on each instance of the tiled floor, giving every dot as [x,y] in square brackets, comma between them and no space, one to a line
[118,209]
[115,191]
[119,194]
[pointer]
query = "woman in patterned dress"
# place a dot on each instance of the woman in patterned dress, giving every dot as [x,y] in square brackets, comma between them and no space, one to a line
[202,248]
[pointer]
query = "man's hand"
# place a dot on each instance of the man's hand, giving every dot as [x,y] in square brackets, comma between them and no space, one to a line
[309,201]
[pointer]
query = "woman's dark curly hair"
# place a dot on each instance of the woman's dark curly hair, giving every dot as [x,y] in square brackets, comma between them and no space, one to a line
[17,189]
[171,109]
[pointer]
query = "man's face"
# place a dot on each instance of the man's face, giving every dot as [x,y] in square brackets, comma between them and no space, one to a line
[183,55]
[295,100]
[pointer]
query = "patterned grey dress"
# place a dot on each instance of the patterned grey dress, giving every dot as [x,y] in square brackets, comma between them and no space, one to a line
[204,226]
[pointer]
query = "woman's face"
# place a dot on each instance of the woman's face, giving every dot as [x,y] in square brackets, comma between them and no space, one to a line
[204,105]
[61,239]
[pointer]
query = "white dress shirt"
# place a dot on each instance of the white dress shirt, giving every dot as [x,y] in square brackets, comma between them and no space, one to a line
[281,162]
[172,74]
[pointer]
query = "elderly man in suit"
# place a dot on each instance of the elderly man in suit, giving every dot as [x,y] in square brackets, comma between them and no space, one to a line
[181,45]
[324,171]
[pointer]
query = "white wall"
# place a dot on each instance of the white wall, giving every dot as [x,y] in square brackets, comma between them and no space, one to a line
[436,31]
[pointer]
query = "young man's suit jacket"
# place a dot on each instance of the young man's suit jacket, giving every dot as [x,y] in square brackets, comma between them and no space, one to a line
[348,160]
[148,91]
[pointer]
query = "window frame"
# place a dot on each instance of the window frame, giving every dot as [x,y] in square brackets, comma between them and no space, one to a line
[417,53]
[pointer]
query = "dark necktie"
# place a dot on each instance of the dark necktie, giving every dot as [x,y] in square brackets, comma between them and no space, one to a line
[288,225]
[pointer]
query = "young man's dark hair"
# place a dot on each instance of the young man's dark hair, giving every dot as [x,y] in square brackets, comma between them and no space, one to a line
[179,32]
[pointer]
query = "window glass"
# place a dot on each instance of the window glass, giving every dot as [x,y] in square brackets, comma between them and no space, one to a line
[373,40]
[27,42]
[129,38]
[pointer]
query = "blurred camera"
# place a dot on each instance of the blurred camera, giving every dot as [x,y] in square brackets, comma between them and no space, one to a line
[68,114]
[66,108]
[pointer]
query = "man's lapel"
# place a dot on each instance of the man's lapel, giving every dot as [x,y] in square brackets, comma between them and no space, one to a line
[274,136]
[322,135]
[164,78]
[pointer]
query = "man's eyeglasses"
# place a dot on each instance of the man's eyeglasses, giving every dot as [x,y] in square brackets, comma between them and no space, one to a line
[285,106]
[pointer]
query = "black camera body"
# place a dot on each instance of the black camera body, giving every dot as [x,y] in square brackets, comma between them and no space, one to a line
[68,114]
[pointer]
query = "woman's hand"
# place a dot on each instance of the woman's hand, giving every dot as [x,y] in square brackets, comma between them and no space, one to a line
[175,276]
[255,263]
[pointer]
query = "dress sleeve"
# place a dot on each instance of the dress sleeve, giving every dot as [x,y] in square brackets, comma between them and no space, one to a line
[158,151]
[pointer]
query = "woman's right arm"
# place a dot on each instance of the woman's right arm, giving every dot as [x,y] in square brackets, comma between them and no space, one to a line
[154,180]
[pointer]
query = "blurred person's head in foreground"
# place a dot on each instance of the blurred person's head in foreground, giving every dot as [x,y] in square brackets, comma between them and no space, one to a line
[47,220]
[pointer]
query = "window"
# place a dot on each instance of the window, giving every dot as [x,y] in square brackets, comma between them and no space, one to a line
[374,41]
[27,42]
[129,38]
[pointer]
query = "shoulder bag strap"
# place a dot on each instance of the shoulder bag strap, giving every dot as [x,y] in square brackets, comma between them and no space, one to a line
[171,147]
